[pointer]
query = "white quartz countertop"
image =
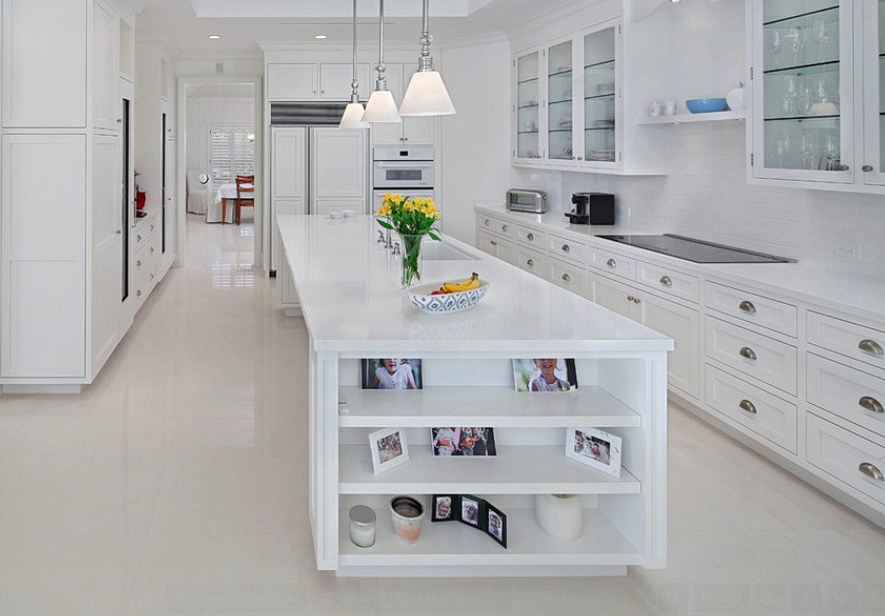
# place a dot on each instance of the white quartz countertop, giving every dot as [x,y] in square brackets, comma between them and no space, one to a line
[348,287]
[814,282]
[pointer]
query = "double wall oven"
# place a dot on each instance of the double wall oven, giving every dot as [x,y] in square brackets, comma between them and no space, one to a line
[406,171]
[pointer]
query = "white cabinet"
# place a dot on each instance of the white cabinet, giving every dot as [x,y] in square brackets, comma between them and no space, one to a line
[106,31]
[335,80]
[44,62]
[495,246]
[289,168]
[339,176]
[106,246]
[873,162]
[291,81]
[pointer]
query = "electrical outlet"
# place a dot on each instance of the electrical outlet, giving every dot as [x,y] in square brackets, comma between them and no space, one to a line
[847,251]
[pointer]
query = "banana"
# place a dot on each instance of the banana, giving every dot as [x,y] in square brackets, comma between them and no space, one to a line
[466,285]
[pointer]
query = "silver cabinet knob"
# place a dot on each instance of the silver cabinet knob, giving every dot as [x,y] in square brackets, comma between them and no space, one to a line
[871,404]
[119,231]
[636,300]
[566,248]
[748,353]
[747,307]
[630,298]
[138,263]
[871,471]
[488,222]
[137,238]
[611,263]
[747,406]
[566,277]
[841,168]
[405,138]
[138,293]
[580,158]
[504,227]
[530,237]
[493,243]
[119,120]
[870,346]
[665,280]
[867,168]
[152,276]
[530,263]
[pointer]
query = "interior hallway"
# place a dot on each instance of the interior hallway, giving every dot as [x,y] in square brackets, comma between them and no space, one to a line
[177,484]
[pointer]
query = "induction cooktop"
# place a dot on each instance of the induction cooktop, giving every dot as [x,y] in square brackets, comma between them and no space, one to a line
[697,251]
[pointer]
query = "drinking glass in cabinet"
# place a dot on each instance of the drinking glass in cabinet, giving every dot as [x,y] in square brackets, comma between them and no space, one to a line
[527,102]
[599,96]
[559,108]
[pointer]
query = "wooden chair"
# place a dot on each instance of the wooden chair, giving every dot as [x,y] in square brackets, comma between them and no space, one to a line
[245,186]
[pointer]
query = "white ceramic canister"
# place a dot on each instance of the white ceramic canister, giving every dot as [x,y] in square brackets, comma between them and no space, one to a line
[735,99]
[407,515]
[362,526]
[559,515]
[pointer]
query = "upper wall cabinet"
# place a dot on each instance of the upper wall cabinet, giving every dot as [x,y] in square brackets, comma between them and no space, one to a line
[288,82]
[44,61]
[335,79]
[817,97]
[569,98]
[106,31]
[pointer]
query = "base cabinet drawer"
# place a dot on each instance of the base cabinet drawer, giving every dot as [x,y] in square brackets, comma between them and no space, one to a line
[866,344]
[531,261]
[846,456]
[767,416]
[567,249]
[851,394]
[531,237]
[568,276]
[753,354]
[752,308]
[614,264]
[668,282]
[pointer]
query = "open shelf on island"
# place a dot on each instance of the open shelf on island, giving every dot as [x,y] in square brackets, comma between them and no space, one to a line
[454,544]
[517,469]
[687,118]
[492,406]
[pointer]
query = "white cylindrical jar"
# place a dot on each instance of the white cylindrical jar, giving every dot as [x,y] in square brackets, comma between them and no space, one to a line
[559,515]
[362,526]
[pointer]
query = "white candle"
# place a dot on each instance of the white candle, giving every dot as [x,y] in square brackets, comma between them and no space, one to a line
[559,515]
[362,526]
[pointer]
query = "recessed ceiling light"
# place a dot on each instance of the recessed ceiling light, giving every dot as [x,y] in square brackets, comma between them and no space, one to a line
[215,37]
[320,37]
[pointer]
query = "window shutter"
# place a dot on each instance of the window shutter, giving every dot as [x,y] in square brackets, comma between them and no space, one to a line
[220,155]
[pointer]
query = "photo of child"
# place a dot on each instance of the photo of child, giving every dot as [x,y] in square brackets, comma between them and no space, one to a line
[391,374]
[595,448]
[469,441]
[545,375]
[443,508]
[390,447]
[592,447]
[469,511]
[497,525]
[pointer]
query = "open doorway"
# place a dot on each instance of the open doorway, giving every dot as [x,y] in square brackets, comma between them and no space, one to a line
[219,159]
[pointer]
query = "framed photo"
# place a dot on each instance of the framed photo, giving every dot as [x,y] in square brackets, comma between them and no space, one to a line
[389,449]
[445,508]
[470,510]
[545,375]
[391,374]
[595,448]
[463,442]
[496,524]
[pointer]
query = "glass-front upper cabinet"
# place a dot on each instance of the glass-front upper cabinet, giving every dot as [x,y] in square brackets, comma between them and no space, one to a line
[873,16]
[528,106]
[802,90]
[599,108]
[560,101]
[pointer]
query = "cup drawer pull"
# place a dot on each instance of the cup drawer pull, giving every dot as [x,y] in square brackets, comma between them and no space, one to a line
[566,277]
[871,404]
[870,346]
[747,307]
[666,281]
[611,263]
[748,353]
[747,406]
[493,243]
[871,471]
[530,262]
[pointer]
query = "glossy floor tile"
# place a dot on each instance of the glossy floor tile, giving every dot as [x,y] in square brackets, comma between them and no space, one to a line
[177,484]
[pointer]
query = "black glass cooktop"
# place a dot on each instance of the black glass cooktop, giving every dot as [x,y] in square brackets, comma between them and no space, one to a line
[697,251]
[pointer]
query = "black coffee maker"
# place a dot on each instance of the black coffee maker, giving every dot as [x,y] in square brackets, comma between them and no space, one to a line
[592,209]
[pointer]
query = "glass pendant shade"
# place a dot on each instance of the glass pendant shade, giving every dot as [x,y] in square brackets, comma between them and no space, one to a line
[426,96]
[381,108]
[353,117]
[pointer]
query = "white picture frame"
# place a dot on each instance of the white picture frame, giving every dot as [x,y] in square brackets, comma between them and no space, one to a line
[594,448]
[389,449]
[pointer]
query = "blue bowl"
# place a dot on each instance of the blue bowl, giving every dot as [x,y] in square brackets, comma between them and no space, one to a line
[706,105]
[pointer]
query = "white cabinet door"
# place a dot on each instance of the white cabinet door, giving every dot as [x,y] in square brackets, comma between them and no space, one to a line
[683,326]
[43,256]
[416,130]
[289,163]
[106,247]
[287,82]
[335,81]
[44,63]
[104,64]
[613,296]
[389,133]
[873,20]
[339,167]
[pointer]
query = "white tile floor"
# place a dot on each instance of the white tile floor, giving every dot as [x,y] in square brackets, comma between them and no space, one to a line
[176,484]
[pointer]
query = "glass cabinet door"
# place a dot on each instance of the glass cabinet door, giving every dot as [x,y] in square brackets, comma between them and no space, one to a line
[873,17]
[528,101]
[599,96]
[803,78]
[560,79]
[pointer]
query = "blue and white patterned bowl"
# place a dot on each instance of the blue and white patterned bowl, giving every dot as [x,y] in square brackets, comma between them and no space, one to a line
[420,295]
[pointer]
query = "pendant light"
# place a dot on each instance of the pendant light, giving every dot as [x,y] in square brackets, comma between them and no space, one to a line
[381,106]
[427,94]
[353,113]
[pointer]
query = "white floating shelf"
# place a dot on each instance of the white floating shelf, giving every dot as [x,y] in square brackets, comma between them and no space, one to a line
[483,406]
[515,470]
[687,118]
[455,544]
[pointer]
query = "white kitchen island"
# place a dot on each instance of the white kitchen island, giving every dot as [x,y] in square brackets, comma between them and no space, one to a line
[348,288]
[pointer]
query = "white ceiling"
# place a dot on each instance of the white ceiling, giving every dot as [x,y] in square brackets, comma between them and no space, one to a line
[243,23]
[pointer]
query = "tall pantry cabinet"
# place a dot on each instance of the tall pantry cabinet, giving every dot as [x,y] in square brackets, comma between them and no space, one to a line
[65,190]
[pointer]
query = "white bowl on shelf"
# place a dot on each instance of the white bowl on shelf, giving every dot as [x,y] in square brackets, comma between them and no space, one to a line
[420,296]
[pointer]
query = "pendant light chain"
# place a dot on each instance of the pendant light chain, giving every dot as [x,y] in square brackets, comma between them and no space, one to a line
[381,82]
[425,61]
[354,84]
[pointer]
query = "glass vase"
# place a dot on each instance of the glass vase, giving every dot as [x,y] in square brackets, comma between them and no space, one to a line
[410,247]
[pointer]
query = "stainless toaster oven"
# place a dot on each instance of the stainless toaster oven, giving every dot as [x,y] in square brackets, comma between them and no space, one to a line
[520,200]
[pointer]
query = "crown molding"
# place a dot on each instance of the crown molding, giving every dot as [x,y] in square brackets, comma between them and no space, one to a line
[316,47]
[220,56]
[571,10]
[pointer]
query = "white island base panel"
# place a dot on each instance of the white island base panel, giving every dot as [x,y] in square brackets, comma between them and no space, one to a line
[354,309]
